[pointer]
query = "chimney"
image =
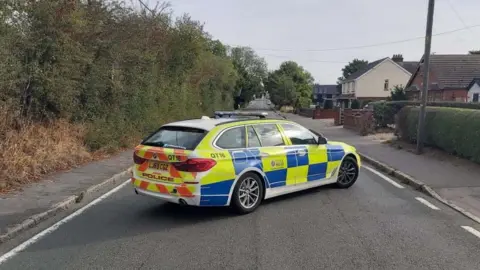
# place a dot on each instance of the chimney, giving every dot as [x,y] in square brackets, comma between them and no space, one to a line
[397,58]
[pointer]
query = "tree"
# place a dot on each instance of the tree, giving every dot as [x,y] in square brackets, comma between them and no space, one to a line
[398,93]
[474,52]
[349,69]
[290,85]
[252,71]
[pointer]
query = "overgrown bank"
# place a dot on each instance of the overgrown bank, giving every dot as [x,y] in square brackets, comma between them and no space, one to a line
[85,76]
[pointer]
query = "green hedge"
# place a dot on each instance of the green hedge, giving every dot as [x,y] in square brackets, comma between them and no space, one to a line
[454,130]
[385,111]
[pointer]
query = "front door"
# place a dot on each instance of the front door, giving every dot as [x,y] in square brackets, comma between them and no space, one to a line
[311,158]
[271,145]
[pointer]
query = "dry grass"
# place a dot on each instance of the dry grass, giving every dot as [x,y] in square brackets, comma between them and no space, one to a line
[382,137]
[30,150]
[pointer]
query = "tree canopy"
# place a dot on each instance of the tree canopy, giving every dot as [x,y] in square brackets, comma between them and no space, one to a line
[251,70]
[120,71]
[290,85]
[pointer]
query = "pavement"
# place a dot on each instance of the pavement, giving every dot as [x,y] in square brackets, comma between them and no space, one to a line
[458,182]
[43,199]
[372,225]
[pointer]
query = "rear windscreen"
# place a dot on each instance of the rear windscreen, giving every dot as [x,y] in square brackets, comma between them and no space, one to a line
[176,137]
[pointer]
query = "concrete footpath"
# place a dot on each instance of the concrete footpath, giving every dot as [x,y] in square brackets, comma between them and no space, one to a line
[38,201]
[457,182]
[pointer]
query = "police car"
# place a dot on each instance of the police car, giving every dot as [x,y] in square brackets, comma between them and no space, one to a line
[238,162]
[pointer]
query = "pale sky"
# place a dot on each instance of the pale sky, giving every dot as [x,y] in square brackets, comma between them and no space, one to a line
[292,30]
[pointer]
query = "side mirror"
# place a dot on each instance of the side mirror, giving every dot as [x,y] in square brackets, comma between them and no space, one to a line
[322,140]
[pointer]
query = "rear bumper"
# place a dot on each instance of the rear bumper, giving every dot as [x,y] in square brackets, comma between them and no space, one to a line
[169,198]
[181,194]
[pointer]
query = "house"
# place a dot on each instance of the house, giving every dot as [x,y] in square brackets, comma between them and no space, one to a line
[322,92]
[474,90]
[452,77]
[376,80]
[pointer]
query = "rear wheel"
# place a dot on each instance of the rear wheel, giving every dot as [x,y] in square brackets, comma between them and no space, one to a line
[348,173]
[247,194]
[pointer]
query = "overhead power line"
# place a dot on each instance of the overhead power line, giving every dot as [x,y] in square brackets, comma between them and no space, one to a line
[307,60]
[370,45]
[458,15]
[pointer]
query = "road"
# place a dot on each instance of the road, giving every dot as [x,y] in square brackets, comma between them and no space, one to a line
[372,225]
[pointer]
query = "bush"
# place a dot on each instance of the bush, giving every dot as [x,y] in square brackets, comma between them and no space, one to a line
[454,130]
[384,111]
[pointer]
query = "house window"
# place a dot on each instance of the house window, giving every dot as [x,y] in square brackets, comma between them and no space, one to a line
[475,97]
[385,85]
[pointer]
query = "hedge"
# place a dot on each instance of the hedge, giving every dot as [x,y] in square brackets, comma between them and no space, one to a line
[454,130]
[384,112]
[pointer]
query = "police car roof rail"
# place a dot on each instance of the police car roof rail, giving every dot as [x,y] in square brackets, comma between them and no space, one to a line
[242,120]
[241,113]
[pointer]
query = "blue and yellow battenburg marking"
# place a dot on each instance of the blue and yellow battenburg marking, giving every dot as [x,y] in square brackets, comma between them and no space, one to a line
[282,166]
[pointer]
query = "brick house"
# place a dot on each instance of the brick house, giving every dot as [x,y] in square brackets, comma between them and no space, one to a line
[453,77]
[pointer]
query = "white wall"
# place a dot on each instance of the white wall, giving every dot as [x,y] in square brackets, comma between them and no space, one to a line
[371,84]
[474,90]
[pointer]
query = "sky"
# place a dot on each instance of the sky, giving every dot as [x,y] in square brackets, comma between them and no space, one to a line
[314,33]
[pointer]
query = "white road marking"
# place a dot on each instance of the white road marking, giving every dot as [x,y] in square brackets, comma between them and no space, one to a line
[55,226]
[427,203]
[472,231]
[383,176]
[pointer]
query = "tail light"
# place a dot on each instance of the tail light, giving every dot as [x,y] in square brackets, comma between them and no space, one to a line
[195,165]
[138,160]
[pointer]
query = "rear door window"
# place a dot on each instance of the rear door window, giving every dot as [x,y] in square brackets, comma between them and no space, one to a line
[232,138]
[269,135]
[176,137]
[253,140]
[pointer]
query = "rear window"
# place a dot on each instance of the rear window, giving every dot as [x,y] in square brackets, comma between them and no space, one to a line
[176,137]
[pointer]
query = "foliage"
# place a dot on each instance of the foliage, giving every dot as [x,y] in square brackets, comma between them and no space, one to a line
[384,112]
[454,130]
[474,52]
[355,104]
[122,72]
[398,94]
[252,71]
[290,85]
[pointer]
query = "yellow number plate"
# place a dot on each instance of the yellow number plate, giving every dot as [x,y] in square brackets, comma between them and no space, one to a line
[159,165]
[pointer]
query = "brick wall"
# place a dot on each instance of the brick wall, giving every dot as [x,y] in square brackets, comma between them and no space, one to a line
[361,121]
[326,114]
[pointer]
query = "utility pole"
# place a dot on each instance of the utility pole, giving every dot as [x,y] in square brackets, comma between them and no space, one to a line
[426,73]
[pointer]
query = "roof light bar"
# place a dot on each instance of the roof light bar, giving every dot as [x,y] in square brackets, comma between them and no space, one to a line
[241,113]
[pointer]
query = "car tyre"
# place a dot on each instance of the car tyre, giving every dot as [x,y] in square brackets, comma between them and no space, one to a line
[247,194]
[348,173]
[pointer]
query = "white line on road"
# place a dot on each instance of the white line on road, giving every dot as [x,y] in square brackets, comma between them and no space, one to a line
[472,231]
[55,226]
[427,203]
[384,177]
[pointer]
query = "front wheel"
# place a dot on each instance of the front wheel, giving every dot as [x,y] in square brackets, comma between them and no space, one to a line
[247,194]
[348,173]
